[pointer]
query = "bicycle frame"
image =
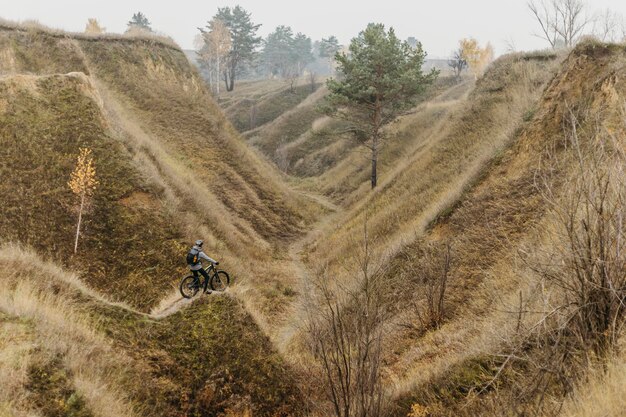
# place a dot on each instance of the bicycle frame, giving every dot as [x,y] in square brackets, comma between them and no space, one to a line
[211,271]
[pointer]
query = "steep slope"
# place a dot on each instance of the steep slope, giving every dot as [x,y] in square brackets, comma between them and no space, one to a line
[507,221]
[483,195]
[171,169]
[127,235]
[442,162]
[469,172]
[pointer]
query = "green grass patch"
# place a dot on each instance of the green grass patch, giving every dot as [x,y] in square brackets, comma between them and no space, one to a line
[205,359]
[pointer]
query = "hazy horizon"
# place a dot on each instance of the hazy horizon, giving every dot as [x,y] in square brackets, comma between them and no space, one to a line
[438,25]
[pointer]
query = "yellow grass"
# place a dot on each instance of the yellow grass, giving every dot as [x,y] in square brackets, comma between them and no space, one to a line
[603,394]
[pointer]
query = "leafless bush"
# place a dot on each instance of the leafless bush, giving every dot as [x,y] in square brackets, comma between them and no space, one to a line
[292,79]
[591,243]
[347,337]
[428,283]
[582,274]
[561,21]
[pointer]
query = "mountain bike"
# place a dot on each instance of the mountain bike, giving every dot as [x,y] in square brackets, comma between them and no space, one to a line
[218,281]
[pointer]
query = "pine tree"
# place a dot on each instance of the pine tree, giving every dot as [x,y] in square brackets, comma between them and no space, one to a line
[278,54]
[83,183]
[328,48]
[379,79]
[139,21]
[302,51]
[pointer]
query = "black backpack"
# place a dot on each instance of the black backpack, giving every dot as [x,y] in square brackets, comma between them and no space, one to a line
[193,258]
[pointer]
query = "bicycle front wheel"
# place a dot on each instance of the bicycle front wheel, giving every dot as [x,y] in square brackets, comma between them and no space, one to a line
[189,286]
[220,281]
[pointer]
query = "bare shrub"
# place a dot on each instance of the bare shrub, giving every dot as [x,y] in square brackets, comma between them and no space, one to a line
[428,282]
[591,244]
[347,338]
[562,22]
[580,312]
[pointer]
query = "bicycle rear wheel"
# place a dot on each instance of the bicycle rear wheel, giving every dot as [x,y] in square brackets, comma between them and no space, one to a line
[220,281]
[189,286]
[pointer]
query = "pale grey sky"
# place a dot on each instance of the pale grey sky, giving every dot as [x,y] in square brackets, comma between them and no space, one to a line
[438,24]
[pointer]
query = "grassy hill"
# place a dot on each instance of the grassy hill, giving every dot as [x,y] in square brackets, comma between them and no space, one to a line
[306,144]
[67,350]
[479,187]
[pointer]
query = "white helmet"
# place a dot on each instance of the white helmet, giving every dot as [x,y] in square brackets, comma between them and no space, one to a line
[199,242]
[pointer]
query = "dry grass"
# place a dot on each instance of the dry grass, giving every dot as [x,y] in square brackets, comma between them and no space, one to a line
[174,173]
[45,121]
[303,143]
[66,349]
[254,104]
[602,394]
[459,170]
[497,219]
[36,27]
[445,162]
[44,327]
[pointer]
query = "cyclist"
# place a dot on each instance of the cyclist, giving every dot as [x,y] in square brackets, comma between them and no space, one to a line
[194,261]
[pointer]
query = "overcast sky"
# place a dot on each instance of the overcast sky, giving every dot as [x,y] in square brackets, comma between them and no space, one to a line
[438,24]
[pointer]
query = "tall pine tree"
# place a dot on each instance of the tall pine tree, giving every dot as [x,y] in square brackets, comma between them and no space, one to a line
[379,79]
[139,21]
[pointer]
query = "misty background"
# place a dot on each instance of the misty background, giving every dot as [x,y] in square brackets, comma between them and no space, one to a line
[438,25]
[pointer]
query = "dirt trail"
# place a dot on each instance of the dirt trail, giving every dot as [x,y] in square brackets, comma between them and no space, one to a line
[305,278]
[174,303]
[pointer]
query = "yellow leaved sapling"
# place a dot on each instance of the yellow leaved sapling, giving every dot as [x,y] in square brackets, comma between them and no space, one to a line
[93,27]
[477,58]
[83,183]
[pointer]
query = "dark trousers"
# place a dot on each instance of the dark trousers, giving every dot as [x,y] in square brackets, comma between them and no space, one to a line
[204,274]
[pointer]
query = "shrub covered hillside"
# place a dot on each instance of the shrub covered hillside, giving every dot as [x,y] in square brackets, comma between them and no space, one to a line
[170,166]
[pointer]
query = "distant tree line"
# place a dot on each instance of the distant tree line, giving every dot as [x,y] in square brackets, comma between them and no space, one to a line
[229,49]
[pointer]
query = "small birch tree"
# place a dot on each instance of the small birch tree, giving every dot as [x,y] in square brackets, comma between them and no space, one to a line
[93,26]
[477,58]
[83,183]
[217,46]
